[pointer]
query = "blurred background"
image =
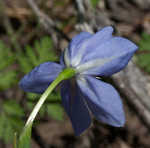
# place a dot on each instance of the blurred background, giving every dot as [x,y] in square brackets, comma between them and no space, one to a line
[36,31]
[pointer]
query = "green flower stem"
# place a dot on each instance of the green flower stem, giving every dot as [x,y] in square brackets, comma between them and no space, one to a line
[65,74]
[24,139]
[42,100]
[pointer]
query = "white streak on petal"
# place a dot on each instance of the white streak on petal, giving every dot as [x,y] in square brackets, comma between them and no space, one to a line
[96,63]
[92,64]
[82,79]
[66,57]
[77,59]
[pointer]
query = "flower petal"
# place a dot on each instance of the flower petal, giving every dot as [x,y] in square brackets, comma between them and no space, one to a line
[75,107]
[103,100]
[108,58]
[99,38]
[40,77]
[77,40]
[87,44]
[75,46]
[61,60]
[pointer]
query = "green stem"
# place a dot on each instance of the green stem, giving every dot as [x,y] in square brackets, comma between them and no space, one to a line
[24,139]
[65,74]
[42,100]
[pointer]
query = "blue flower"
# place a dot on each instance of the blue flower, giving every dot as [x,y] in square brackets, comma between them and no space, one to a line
[91,56]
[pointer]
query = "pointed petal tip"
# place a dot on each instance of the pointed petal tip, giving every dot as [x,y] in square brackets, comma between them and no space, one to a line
[81,127]
[129,44]
[109,28]
[80,131]
[120,123]
[22,84]
[103,32]
[115,121]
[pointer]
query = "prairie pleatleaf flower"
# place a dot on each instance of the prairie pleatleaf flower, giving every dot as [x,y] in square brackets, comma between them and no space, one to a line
[91,56]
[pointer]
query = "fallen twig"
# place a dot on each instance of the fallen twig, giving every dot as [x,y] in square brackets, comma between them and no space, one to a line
[47,23]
